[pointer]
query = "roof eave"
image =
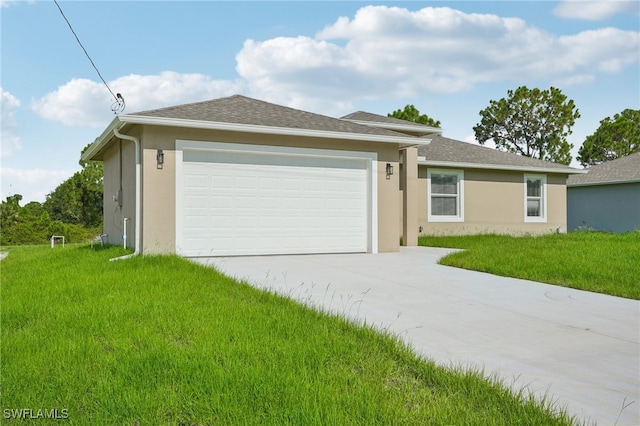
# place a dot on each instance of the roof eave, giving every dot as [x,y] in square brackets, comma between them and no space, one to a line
[272,130]
[601,183]
[462,165]
[419,129]
[101,140]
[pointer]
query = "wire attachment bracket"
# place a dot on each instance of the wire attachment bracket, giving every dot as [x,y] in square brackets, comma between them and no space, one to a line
[119,105]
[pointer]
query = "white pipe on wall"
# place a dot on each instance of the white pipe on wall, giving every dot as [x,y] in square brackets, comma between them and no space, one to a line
[124,233]
[138,215]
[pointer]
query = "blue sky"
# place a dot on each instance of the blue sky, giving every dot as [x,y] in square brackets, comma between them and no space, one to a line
[448,58]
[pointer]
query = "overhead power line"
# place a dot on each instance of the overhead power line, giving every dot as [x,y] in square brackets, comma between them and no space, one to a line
[118,105]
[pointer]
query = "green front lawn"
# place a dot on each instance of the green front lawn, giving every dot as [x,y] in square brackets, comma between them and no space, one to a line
[598,262]
[160,340]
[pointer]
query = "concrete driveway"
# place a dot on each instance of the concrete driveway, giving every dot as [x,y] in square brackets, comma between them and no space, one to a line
[580,349]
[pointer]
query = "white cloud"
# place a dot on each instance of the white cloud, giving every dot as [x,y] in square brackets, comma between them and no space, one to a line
[7,3]
[594,10]
[379,53]
[299,72]
[79,102]
[390,53]
[85,102]
[142,92]
[607,49]
[575,80]
[32,184]
[10,141]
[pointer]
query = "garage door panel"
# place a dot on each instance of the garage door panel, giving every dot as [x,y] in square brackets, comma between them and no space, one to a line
[242,205]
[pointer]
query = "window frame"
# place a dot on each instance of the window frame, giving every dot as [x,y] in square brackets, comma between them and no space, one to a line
[459,217]
[543,198]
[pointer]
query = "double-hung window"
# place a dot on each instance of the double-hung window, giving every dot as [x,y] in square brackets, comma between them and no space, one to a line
[535,198]
[445,195]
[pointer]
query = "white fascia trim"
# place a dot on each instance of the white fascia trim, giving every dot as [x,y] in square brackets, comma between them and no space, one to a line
[423,130]
[612,182]
[252,128]
[178,205]
[372,238]
[191,145]
[101,140]
[448,164]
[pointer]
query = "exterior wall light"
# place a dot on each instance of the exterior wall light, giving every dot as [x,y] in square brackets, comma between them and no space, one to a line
[160,158]
[389,170]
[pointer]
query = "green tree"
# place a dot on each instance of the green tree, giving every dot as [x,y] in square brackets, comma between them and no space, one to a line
[614,138]
[73,209]
[9,215]
[530,122]
[33,208]
[23,225]
[31,224]
[78,200]
[410,113]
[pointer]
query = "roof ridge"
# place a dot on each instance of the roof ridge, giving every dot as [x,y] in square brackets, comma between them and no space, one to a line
[240,109]
[168,108]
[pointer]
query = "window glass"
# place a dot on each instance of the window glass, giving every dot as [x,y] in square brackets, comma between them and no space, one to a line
[535,209]
[534,187]
[444,184]
[445,195]
[443,206]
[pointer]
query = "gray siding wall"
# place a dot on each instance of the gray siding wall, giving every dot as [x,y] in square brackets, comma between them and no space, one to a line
[612,208]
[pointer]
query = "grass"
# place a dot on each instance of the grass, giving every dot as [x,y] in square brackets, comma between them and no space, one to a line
[592,261]
[160,340]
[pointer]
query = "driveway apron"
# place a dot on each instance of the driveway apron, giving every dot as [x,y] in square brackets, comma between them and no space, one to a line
[580,350]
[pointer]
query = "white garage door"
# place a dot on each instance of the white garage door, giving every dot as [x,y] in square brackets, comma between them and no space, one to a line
[237,203]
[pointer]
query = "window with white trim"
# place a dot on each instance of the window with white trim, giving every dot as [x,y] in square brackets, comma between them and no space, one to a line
[445,195]
[535,198]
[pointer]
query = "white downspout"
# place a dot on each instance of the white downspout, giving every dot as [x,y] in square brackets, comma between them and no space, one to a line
[124,233]
[136,141]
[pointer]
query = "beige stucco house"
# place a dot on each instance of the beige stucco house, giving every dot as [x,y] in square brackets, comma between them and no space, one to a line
[464,188]
[239,176]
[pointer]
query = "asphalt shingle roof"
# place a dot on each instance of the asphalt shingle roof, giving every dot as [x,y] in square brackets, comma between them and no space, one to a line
[238,109]
[623,169]
[443,149]
[391,123]
[376,118]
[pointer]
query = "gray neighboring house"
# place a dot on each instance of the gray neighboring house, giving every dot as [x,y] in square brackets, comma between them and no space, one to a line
[607,197]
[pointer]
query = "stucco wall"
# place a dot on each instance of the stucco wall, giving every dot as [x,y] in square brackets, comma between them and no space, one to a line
[612,208]
[119,179]
[158,203]
[494,203]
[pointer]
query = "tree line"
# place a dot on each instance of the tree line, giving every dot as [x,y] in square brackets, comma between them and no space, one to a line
[73,209]
[536,123]
[529,122]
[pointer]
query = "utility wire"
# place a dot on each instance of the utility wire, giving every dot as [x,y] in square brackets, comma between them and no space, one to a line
[119,104]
